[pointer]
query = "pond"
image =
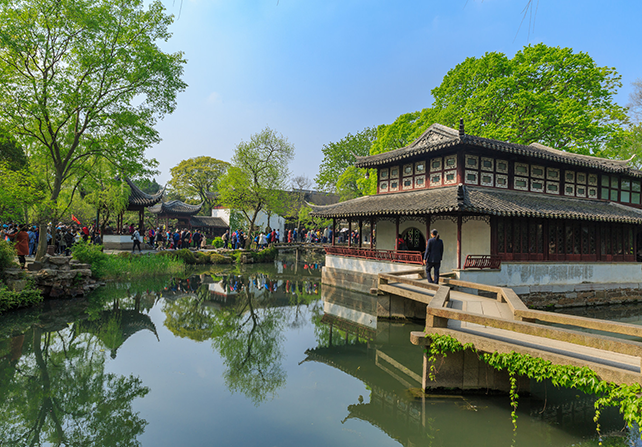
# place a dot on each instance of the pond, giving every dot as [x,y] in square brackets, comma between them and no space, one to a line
[261,356]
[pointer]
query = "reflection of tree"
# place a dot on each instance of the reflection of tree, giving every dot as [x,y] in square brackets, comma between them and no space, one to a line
[249,340]
[188,318]
[61,395]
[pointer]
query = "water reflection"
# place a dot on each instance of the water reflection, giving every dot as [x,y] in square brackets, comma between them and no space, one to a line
[54,388]
[272,330]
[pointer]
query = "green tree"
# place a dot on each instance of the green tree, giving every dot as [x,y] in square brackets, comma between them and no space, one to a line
[257,177]
[543,94]
[339,156]
[12,155]
[194,178]
[81,80]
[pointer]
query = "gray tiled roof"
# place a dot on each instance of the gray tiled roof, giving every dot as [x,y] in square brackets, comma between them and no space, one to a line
[175,207]
[438,137]
[139,198]
[207,221]
[481,200]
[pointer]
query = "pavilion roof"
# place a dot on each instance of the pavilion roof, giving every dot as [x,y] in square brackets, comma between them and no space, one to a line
[481,200]
[175,207]
[139,198]
[438,137]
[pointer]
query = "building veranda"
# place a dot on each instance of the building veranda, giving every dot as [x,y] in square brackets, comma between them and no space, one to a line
[540,220]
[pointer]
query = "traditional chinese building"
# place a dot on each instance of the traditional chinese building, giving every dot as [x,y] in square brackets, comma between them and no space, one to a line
[537,215]
[186,217]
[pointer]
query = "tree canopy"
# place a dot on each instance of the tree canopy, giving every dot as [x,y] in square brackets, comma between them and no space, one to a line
[543,94]
[85,80]
[339,156]
[258,175]
[194,178]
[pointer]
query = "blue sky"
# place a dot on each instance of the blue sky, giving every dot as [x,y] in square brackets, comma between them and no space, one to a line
[317,70]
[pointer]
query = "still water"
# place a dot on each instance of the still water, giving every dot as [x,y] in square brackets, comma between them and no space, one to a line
[262,356]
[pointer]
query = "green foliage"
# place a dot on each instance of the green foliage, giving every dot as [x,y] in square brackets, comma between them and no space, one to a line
[124,265]
[543,94]
[7,255]
[10,300]
[12,155]
[311,222]
[82,82]
[257,177]
[339,156]
[194,178]
[216,258]
[217,242]
[90,254]
[264,256]
[627,397]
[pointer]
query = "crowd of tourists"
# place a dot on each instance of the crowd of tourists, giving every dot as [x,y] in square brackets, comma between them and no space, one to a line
[237,238]
[160,238]
[61,237]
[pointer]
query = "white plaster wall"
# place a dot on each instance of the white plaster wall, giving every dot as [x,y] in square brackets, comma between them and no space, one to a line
[448,233]
[368,266]
[223,213]
[421,226]
[475,239]
[276,222]
[540,276]
[385,235]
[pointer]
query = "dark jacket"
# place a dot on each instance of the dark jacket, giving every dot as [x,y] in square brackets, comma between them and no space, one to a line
[434,250]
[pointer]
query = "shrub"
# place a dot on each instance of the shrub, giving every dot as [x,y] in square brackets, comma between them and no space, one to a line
[90,254]
[216,258]
[218,242]
[185,255]
[201,258]
[267,255]
[13,300]
[7,255]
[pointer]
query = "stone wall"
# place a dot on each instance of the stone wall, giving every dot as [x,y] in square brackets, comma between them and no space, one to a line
[56,276]
[580,298]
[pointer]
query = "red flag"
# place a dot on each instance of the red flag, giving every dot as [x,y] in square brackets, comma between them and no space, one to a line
[75,219]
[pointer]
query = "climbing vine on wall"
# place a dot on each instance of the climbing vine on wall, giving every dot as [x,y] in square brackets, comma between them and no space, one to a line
[627,397]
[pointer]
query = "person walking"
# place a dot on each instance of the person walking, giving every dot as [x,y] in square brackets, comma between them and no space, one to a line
[433,256]
[21,239]
[137,240]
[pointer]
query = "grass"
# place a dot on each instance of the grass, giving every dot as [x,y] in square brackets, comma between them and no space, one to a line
[125,265]
[143,266]
[10,300]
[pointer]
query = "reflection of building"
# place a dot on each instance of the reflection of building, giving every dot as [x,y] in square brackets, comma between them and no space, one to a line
[570,216]
[114,327]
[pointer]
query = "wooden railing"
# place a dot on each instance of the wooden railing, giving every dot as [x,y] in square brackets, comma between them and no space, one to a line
[483,262]
[406,257]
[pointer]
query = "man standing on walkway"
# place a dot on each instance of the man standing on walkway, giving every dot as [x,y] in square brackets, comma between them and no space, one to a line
[432,257]
[136,240]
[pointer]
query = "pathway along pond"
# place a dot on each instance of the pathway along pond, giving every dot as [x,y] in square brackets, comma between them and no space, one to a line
[264,356]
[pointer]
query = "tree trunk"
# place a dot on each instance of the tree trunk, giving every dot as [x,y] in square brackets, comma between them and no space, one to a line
[50,214]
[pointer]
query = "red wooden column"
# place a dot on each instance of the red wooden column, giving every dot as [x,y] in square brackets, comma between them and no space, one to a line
[428,235]
[334,229]
[459,242]
[349,232]
[360,232]
[372,221]
[397,234]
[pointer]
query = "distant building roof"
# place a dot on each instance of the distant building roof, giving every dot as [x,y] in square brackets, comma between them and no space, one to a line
[175,207]
[207,221]
[489,201]
[438,137]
